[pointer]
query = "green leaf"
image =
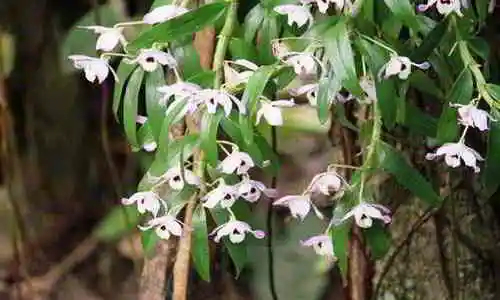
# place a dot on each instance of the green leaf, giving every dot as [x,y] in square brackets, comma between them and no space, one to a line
[340,55]
[204,79]
[201,253]
[420,122]
[239,48]
[480,47]
[237,252]
[189,59]
[155,111]
[378,239]
[130,103]
[391,161]
[460,93]
[269,31]
[340,238]
[174,113]
[179,27]
[209,130]
[253,21]
[254,89]
[327,89]
[491,173]
[431,42]
[493,91]
[424,84]
[123,72]
[404,11]
[118,222]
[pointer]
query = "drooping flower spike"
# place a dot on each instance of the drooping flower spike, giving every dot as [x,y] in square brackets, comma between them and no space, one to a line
[299,205]
[163,13]
[364,213]
[271,111]
[470,115]
[454,153]
[236,231]
[150,59]
[298,14]
[146,201]
[322,244]
[401,66]
[108,38]
[93,67]
[444,7]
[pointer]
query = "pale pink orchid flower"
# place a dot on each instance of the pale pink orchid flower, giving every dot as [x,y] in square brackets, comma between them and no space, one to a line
[271,111]
[108,38]
[223,194]
[237,162]
[401,66]
[322,244]
[236,231]
[298,14]
[444,7]
[299,205]
[93,67]
[163,13]
[364,213]
[454,153]
[165,226]
[146,201]
[470,115]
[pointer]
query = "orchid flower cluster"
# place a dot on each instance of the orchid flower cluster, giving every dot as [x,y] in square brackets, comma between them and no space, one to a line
[222,193]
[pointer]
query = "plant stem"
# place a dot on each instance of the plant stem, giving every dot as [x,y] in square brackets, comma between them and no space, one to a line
[375,137]
[223,42]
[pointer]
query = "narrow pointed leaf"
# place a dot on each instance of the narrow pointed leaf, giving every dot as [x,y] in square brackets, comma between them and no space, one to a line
[179,27]
[155,111]
[130,103]
[124,70]
[201,253]
[209,130]
[391,161]
[491,173]
[378,239]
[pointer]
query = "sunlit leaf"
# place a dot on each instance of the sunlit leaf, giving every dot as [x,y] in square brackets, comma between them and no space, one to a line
[208,134]
[179,27]
[155,111]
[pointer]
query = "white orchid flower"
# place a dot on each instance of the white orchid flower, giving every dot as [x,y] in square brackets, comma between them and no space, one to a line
[165,226]
[368,86]
[303,63]
[299,205]
[470,115]
[236,231]
[146,201]
[297,14]
[454,152]
[271,111]
[150,59]
[233,77]
[175,180]
[310,90]
[93,67]
[324,4]
[327,182]
[444,7]
[163,13]
[224,194]
[322,244]
[181,90]
[212,98]
[401,66]
[364,213]
[251,190]
[108,38]
[237,161]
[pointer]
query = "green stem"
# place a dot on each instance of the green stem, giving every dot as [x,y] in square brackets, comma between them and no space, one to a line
[223,42]
[369,158]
